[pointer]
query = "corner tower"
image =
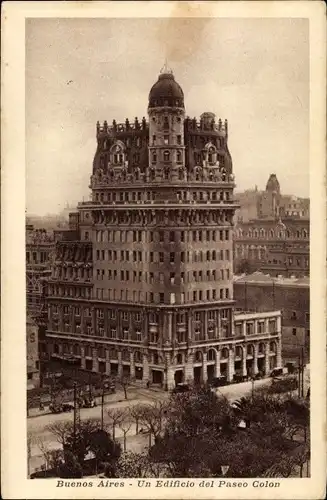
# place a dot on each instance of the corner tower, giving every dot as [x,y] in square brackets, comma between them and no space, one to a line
[166,128]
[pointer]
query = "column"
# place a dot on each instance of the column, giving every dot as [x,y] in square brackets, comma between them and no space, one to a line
[95,365]
[93,320]
[279,353]
[169,326]
[231,365]
[83,357]
[204,367]
[120,365]
[145,369]
[189,329]
[255,360]
[217,367]
[189,369]
[205,325]
[267,360]
[244,368]
[170,381]
[218,325]
[132,365]
[108,367]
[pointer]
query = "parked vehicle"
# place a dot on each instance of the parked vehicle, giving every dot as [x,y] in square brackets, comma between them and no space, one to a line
[181,388]
[219,381]
[277,372]
[60,408]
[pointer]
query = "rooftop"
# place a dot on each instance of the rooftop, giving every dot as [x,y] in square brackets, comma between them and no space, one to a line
[259,277]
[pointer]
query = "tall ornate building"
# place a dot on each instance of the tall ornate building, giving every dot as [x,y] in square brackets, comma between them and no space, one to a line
[146,290]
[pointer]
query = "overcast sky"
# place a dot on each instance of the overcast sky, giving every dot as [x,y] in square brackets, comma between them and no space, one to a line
[253,72]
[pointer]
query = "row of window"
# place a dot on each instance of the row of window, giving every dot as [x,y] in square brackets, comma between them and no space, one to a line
[162,236]
[136,335]
[113,314]
[271,233]
[138,196]
[167,140]
[129,295]
[37,257]
[68,291]
[162,257]
[72,273]
[260,327]
[151,278]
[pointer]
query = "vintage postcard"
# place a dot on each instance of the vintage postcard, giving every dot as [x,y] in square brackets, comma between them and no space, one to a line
[163,250]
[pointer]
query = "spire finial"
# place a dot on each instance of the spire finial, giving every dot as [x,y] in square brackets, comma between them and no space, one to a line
[166,69]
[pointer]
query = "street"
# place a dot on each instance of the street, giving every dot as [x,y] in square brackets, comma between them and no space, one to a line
[36,426]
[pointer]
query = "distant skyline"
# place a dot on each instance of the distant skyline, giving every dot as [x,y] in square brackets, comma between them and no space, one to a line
[254,72]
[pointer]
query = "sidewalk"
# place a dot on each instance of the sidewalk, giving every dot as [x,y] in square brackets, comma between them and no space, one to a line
[134,393]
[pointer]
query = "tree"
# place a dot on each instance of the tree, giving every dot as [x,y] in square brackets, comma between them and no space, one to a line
[132,464]
[45,451]
[106,451]
[202,434]
[61,430]
[152,417]
[125,426]
[135,412]
[124,381]
[116,416]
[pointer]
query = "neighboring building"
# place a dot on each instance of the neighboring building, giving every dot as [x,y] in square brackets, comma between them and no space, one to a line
[269,204]
[40,246]
[259,292]
[260,349]
[274,246]
[33,363]
[276,239]
[142,283]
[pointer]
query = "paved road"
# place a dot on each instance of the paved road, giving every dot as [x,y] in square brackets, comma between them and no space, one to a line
[37,425]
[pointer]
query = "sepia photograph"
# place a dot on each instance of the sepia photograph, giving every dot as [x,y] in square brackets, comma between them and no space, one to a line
[167,235]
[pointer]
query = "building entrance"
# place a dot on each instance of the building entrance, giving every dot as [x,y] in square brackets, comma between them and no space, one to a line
[157,377]
[179,377]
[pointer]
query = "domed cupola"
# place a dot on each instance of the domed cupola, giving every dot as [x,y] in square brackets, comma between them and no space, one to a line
[273,184]
[166,91]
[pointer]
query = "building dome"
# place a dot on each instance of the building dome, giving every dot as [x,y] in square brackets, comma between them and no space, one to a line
[273,184]
[166,92]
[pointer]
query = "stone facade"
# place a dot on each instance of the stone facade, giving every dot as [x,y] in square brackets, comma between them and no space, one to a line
[146,288]
[33,363]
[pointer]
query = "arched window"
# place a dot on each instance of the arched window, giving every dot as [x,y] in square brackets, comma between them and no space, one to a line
[166,156]
[179,359]
[238,352]
[198,357]
[211,355]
